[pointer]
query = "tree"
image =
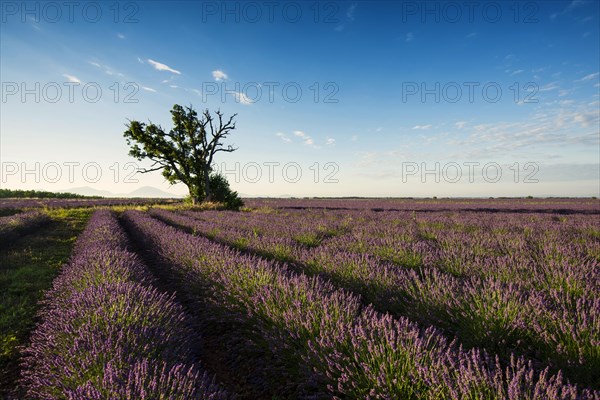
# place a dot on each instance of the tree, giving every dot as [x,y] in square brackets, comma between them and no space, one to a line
[185,153]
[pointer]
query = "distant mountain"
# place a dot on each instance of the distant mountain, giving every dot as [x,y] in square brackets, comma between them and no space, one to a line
[89,191]
[144,191]
[150,191]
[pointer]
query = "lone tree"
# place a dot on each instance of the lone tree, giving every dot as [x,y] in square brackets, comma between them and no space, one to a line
[185,153]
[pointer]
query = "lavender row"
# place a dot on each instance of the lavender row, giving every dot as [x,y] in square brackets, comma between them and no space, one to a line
[106,333]
[552,205]
[70,203]
[555,327]
[13,226]
[540,252]
[562,251]
[321,336]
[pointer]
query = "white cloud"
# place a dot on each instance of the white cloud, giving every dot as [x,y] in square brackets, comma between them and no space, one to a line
[148,89]
[330,141]
[379,129]
[120,36]
[306,139]
[588,77]
[548,87]
[516,72]
[72,78]
[585,119]
[242,98]
[140,61]
[422,127]
[354,138]
[163,67]
[219,75]
[368,159]
[409,37]
[460,124]
[564,92]
[575,4]
[300,134]
[283,137]
[350,12]
[107,69]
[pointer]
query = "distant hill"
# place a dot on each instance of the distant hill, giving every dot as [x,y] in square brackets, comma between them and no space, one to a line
[89,191]
[150,191]
[144,191]
[40,194]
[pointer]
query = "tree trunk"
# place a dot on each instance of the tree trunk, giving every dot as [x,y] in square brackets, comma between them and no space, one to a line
[194,196]
[207,191]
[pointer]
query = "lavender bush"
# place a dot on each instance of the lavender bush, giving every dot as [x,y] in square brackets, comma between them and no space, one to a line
[319,335]
[516,307]
[13,226]
[107,333]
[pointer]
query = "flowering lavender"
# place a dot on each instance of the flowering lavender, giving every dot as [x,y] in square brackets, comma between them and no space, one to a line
[107,333]
[13,226]
[322,340]
[19,203]
[499,289]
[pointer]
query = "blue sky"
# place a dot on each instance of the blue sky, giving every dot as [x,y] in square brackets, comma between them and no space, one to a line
[389,98]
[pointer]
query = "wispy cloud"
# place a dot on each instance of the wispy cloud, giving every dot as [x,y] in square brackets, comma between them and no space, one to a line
[306,139]
[329,141]
[350,12]
[283,137]
[588,77]
[409,37]
[148,89]
[243,99]
[72,78]
[120,36]
[162,67]
[422,127]
[575,4]
[219,75]
[460,124]
[107,70]
[368,158]
[549,86]
[561,128]
[471,35]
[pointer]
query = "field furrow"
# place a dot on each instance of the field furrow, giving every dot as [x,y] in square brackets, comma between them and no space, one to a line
[317,339]
[106,332]
[555,326]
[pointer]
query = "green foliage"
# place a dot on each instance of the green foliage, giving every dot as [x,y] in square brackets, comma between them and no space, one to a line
[40,194]
[186,152]
[26,271]
[222,193]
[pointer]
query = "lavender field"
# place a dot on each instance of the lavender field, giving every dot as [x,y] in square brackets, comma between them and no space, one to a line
[353,299]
